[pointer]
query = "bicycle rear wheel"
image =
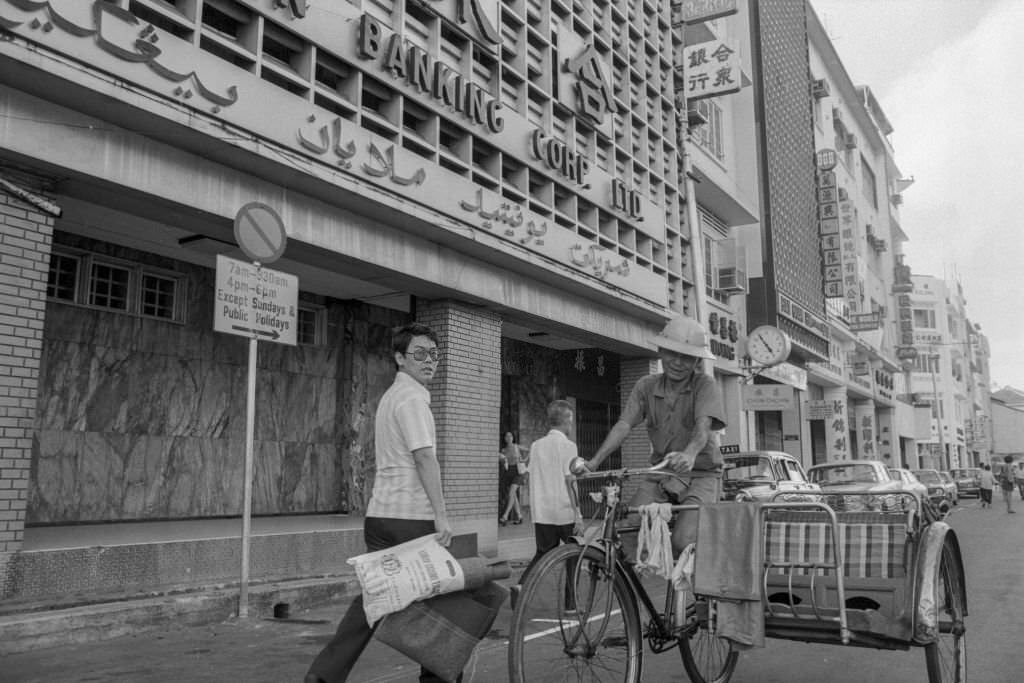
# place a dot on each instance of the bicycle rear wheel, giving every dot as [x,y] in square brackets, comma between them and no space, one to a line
[575,622]
[706,658]
[946,658]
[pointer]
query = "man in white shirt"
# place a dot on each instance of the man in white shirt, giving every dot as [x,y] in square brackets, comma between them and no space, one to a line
[407,501]
[553,502]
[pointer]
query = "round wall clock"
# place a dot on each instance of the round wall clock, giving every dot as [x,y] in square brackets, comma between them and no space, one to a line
[767,345]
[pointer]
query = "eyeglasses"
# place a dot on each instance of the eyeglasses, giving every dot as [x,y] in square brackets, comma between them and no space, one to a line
[422,354]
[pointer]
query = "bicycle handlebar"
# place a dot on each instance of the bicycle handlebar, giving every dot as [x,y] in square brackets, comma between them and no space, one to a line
[578,467]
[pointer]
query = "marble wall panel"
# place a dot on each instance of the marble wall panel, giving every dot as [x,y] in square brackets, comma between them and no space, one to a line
[93,388]
[90,477]
[295,407]
[370,367]
[145,419]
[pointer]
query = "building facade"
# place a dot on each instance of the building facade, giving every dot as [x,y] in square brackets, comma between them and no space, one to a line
[829,241]
[950,375]
[512,175]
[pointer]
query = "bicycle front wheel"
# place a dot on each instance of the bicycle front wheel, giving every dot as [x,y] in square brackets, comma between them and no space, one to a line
[575,621]
[706,657]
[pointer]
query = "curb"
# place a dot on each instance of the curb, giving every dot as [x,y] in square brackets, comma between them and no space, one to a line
[40,626]
[88,623]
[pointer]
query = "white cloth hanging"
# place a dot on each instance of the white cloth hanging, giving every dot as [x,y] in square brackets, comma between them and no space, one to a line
[654,545]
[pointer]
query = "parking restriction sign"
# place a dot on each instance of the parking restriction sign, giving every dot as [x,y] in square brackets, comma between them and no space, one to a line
[255,302]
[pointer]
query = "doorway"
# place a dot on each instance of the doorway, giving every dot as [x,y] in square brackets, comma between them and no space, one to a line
[594,419]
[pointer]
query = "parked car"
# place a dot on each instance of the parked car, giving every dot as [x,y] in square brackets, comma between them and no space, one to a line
[762,475]
[938,493]
[937,490]
[909,481]
[857,485]
[968,480]
[954,492]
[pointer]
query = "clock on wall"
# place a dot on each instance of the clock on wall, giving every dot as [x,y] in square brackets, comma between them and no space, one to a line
[767,345]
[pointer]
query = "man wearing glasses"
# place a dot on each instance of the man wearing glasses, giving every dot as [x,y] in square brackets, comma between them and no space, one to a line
[407,500]
[682,408]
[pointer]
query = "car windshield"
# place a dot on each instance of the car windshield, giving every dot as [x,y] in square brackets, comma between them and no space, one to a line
[844,474]
[962,474]
[747,468]
[928,477]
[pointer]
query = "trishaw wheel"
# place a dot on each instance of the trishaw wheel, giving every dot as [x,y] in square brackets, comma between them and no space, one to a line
[707,658]
[575,622]
[947,656]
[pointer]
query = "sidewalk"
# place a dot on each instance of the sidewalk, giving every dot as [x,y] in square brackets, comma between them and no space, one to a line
[255,650]
[199,626]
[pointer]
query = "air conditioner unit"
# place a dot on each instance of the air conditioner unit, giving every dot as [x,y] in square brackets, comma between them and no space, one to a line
[731,280]
[695,117]
[897,199]
[820,88]
[837,115]
[849,141]
[842,194]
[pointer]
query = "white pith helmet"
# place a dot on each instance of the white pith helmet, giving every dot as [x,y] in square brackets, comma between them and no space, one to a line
[686,336]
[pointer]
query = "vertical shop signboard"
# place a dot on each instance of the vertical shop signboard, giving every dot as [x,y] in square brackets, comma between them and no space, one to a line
[902,286]
[848,241]
[837,427]
[866,429]
[828,226]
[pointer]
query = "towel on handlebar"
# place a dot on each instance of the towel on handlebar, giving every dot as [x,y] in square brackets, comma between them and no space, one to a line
[654,545]
[728,568]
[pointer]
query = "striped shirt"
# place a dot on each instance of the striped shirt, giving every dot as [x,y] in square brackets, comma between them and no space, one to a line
[404,424]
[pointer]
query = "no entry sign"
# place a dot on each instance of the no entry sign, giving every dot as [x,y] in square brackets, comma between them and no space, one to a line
[259,231]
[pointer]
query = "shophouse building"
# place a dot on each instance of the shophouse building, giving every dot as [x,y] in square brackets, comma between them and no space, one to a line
[950,374]
[830,242]
[1007,424]
[511,175]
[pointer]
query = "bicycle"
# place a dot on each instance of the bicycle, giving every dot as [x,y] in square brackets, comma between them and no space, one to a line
[578,617]
[578,614]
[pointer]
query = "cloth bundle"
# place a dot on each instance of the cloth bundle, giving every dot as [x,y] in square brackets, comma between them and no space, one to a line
[654,545]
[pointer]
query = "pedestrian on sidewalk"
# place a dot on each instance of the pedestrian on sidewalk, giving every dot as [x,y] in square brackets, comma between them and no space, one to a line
[1005,478]
[1018,477]
[407,501]
[986,482]
[554,504]
[518,468]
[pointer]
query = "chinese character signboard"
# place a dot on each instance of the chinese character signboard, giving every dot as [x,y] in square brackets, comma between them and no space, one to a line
[852,281]
[828,228]
[768,397]
[902,287]
[696,11]
[819,410]
[710,69]
[865,428]
[863,322]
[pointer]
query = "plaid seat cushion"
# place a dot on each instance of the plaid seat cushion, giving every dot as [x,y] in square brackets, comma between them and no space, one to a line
[874,544]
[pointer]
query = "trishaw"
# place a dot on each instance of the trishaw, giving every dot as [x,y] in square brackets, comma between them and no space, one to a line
[895,580]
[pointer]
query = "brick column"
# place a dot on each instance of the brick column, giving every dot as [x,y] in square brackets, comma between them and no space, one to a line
[465,397]
[636,449]
[25,238]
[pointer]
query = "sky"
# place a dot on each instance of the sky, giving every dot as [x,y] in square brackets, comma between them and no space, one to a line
[946,75]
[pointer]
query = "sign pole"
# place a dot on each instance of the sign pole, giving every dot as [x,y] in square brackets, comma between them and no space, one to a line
[260,234]
[250,423]
[250,433]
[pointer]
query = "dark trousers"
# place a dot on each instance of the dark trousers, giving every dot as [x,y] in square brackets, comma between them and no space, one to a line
[335,661]
[546,537]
